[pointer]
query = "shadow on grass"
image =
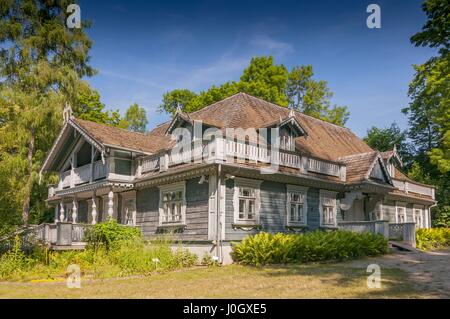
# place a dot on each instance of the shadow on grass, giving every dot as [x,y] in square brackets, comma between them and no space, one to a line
[394,282]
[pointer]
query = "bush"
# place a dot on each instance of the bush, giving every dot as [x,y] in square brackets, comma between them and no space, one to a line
[433,238]
[14,261]
[114,250]
[110,233]
[265,248]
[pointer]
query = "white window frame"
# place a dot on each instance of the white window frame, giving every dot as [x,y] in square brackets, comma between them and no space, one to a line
[403,206]
[128,196]
[252,184]
[419,209]
[175,187]
[328,198]
[302,192]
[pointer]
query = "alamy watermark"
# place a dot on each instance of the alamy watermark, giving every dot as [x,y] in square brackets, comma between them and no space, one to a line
[73,21]
[374,19]
[374,279]
[73,276]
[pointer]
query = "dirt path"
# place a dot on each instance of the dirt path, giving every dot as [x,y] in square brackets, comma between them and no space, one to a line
[429,272]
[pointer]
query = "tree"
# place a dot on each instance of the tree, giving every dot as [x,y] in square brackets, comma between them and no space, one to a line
[136,118]
[176,98]
[384,139]
[41,64]
[89,107]
[429,110]
[264,79]
[313,97]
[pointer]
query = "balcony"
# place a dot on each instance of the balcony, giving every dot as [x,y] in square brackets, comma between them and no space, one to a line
[414,188]
[79,175]
[240,152]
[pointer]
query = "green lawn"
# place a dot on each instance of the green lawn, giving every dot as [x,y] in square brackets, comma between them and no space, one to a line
[234,281]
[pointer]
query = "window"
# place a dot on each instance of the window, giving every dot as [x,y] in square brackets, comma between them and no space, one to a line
[128,211]
[328,208]
[246,201]
[286,140]
[400,213]
[172,204]
[296,207]
[418,216]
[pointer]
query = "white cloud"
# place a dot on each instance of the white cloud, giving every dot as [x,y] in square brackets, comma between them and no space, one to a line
[272,45]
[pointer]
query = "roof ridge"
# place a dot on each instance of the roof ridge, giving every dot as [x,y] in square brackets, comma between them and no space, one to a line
[357,154]
[212,104]
[113,127]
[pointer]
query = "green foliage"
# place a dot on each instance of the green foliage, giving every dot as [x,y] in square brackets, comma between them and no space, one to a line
[136,118]
[111,233]
[265,248]
[429,110]
[14,261]
[89,107]
[384,139]
[432,238]
[42,63]
[126,256]
[274,83]
[435,33]
[207,260]
[313,97]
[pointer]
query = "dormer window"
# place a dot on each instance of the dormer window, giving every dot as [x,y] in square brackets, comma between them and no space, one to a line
[287,139]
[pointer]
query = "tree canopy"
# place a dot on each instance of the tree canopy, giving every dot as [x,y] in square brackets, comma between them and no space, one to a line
[274,83]
[136,118]
[384,139]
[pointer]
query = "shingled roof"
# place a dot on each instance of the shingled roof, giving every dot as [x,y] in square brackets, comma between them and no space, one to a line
[359,165]
[324,140]
[113,136]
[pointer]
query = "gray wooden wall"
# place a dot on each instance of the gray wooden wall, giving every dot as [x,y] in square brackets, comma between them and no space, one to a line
[147,212]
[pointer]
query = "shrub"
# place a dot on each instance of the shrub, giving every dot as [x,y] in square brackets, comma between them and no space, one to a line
[433,238]
[111,233]
[14,261]
[265,248]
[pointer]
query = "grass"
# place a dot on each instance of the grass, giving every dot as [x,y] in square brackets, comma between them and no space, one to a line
[233,281]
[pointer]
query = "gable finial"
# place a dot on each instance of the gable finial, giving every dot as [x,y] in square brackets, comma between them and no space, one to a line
[395,148]
[67,113]
[291,112]
[178,108]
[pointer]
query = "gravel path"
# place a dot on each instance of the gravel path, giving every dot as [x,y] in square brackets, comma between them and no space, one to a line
[428,271]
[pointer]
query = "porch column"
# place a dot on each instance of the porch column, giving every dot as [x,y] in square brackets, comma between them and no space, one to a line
[61,212]
[56,213]
[74,210]
[94,211]
[110,204]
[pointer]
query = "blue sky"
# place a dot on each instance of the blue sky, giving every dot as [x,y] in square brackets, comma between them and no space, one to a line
[145,48]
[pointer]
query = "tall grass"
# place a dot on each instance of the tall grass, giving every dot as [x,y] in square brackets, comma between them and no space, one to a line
[113,250]
[265,248]
[433,238]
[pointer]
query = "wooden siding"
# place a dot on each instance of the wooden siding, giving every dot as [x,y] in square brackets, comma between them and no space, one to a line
[147,215]
[389,211]
[272,210]
[313,208]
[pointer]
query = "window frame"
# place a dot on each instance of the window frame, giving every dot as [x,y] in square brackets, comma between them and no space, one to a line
[128,196]
[397,216]
[174,187]
[255,185]
[327,197]
[303,191]
[421,209]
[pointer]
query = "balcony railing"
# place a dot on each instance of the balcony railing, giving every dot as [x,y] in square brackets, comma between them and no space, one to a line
[414,188]
[79,175]
[226,150]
